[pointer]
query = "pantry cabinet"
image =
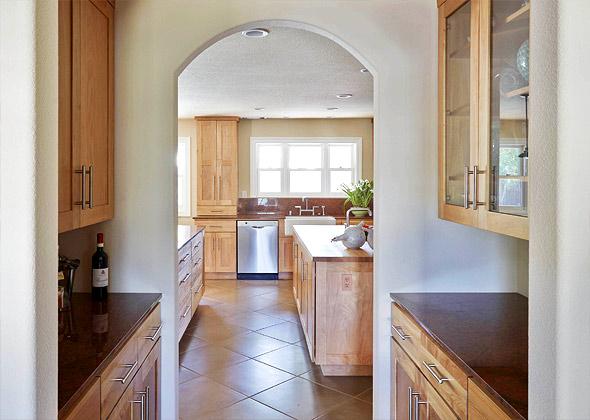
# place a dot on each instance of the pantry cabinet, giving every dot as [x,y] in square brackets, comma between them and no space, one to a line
[85,113]
[483,114]
[217,165]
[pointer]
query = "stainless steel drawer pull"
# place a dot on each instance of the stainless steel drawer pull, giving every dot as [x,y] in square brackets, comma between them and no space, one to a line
[431,368]
[411,395]
[186,311]
[131,368]
[198,261]
[216,211]
[183,259]
[417,403]
[197,245]
[83,173]
[400,332]
[91,182]
[142,403]
[185,278]
[466,173]
[155,334]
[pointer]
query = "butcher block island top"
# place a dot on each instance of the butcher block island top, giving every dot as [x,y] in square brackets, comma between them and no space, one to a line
[484,333]
[317,240]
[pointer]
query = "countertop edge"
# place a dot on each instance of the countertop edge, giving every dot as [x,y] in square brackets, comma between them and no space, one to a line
[75,397]
[330,259]
[488,389]
[198,229]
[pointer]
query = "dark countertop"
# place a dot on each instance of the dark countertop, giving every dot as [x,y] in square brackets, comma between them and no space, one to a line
[82,353]
[485,333]
[273,216]
[186,233]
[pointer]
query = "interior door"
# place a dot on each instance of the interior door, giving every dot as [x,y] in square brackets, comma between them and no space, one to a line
[210,252]
[458,108]
[207,162]
[225,253]
[227,152]
[93,76]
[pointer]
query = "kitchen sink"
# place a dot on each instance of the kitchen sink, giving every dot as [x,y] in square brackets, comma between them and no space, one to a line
[291,221]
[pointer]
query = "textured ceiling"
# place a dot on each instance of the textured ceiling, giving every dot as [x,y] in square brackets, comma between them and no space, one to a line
[290,73]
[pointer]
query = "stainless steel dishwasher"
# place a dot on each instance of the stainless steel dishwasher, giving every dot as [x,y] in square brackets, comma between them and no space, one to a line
[258,249]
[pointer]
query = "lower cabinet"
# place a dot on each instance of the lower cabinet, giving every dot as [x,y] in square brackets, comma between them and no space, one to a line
[286,254]
[191,260]
[220,246]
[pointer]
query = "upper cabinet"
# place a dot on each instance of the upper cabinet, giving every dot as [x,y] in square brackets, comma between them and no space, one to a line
[483,114]
[86,117]
[217,166]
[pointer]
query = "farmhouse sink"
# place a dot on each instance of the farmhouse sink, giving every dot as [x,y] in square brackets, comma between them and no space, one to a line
[291,221]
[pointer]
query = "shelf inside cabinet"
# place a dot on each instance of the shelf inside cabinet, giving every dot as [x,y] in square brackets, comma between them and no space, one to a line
[523,91]
[519,13]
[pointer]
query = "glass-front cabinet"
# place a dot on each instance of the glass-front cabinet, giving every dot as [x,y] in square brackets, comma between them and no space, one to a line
[483,114]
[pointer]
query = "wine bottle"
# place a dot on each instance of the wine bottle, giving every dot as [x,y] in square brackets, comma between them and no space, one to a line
[100,270]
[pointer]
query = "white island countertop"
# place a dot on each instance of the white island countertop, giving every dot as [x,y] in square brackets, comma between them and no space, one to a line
[317,240]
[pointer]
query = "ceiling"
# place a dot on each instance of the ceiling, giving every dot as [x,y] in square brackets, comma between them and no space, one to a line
[291,73]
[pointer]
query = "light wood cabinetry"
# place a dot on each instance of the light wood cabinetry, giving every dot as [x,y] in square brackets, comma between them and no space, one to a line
[220,247]
[286,254]
[86,117]
[334,297]
[191,285]
[89,405]
[483,115]
[217,165]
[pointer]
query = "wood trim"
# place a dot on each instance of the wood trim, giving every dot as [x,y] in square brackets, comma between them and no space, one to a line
[88,407]
[482,407]
[347,370]
[219,118]
[220,276]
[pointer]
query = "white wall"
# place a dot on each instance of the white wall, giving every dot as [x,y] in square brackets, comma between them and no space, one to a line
[415,250]
[28,209]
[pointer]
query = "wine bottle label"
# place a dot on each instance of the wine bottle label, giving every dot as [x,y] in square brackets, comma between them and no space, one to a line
[100,277]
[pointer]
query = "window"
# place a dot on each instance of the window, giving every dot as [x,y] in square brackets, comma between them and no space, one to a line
[183,157]
[286,167]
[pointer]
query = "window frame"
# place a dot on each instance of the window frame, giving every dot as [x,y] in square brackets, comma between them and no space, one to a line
[186,211]
[284,142]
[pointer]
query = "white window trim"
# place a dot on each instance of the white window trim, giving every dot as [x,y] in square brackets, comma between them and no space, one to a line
[186,212]
[357,173]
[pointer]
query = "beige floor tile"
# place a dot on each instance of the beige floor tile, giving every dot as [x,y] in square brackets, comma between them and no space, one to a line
[253,320]
[287,331]
[286,311]
[301,399]
[351,385]
[201,395]
[245,410]
[252,344]
[353,409]
[189,342]
[215,331]
[292,359]
[256,303]
[210,358]
[249,377]
[366,396]
[185,375]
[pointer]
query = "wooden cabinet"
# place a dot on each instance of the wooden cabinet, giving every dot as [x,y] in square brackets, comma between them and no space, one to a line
[86,117]
[217,165]
[220,246]
[286,255]
[190,279]
[89,405]
[483,114]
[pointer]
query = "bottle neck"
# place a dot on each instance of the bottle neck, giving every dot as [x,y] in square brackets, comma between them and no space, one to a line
[99,247]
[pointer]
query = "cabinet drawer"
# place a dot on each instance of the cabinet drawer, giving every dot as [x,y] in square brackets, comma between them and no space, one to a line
[197,246]
[196,295]
[184,255]
[217,226]
[148,334]
[217,210]
[184,282]
[117,376]
[184,315]
[443,374]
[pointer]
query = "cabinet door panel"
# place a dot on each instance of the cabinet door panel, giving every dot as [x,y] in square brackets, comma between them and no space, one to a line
[227,165]
[209,256]
[93,110]
[285,254]
[148,384]
[225,253]
[206,162]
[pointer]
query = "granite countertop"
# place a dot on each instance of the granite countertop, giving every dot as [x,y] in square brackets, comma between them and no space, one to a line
[485,333]
[317,240]
[84,351]
[186,233]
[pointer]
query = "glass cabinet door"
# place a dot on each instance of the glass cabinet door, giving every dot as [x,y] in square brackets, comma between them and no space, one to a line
[457,105]
[509,96]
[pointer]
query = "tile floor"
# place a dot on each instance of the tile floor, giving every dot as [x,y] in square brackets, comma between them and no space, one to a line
[243,356]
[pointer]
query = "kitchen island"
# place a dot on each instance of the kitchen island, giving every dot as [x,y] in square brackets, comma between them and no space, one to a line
[333,289]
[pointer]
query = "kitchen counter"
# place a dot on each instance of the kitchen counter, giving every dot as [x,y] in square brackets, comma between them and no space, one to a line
[485,333]
[84,351]
[317,240]
[186,233]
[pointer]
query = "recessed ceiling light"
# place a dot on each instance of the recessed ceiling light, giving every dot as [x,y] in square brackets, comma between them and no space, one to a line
[255,33]
[344,95]
[364,70]
[259,109]
[332,108]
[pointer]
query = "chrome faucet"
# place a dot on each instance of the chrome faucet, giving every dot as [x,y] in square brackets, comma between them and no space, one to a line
[355,208]
[306,209]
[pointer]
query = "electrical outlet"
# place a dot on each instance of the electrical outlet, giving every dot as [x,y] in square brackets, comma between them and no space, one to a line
[346,281]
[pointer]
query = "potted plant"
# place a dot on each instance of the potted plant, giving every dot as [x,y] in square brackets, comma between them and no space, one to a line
[359,194]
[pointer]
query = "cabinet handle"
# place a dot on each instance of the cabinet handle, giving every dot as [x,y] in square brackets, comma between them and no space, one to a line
[142,403]
[411,395]
[155,334]
[400,332]
[131,367]
[197,262]
[466,173]
[216,211]
[83,173]
[417,403]
[145,405]
[183,259]
[184,279]
[431,367]
[91,192]
[186,311]
[475,173]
